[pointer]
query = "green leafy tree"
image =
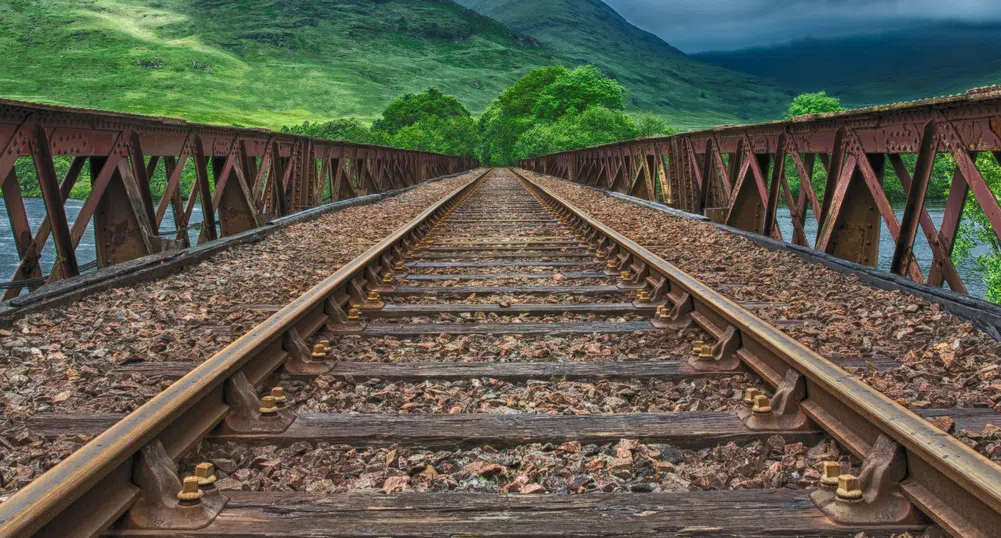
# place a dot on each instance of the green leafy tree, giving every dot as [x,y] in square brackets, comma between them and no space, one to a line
[813,103]
[346,129]
[578,90]
[410,109]
[453,136]
[976,238]
[649,124]
[550,109]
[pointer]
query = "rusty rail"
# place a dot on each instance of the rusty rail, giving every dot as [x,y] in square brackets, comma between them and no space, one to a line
[738,175]
[948,481]
[256,174]
[88,491]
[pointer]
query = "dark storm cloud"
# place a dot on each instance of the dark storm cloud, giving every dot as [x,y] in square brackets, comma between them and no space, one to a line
[698,25]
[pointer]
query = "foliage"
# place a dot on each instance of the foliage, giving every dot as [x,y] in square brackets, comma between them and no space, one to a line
[976,238]
[813,103]
[596,125]
[576,91]
[346,129]
[649,125]
[556,109]
[411,109]
[453,136]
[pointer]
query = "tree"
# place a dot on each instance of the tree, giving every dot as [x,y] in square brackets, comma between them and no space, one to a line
[410,109]
[813,103]
[578,90]
[551,108]
[346,129]
[976,238]
[649,124]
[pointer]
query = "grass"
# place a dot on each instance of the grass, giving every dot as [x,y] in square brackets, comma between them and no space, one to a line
[660,78]
[261,63]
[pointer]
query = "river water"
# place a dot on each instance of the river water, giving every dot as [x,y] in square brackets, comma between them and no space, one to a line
[86,252]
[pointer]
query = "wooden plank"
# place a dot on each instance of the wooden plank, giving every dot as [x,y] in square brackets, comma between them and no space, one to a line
[746,513]
[499,255]
[506,371]
[503,290]
[402,311]
[458,265]
[420,329]
[505,248]
[693,430]
[499,276]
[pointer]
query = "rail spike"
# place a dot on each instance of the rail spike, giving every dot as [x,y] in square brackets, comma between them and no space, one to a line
[159,506]
[250,413]
[878,499]
[300,357]
[783,411]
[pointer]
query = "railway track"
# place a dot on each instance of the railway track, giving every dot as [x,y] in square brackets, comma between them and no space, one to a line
[480,371]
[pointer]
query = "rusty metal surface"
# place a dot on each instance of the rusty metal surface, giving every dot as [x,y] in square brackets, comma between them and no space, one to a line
[951,483]
[244,178]
[65,501]
[744,171]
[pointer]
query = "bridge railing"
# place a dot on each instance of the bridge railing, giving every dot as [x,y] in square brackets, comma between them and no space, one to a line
[739,176]
[243,177]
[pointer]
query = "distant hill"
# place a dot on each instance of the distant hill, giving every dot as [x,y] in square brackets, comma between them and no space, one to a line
[895,66]
[256,62]
[659,77]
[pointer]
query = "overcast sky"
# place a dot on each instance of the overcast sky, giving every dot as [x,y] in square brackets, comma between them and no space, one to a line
[700,25]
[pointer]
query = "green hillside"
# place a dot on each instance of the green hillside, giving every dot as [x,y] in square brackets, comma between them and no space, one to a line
[902,65]
[255,62]
[658,76]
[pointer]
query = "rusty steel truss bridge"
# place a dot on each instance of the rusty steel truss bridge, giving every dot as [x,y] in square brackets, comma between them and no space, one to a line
[738,176]
[255,175]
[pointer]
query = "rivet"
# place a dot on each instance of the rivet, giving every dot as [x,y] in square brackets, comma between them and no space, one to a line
[832,470]
[849,488]
[205,473]
[190,492]
[762,405]
[278,394]
[268,406]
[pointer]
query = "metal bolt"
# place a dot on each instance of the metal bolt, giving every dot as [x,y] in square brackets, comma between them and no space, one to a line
[706,352]
[832,470]
[398,266]
[326,345]
[611,264]
[643,295]
[665,314]
[698,346]
[592,246]
[190,492]
[601,255]
[373,296]
[762,405]
[319,351]
[269,407]
[625,275]
[278,394]
[849,488]
[354,313]
[749,394]
[205,473]
[387,278]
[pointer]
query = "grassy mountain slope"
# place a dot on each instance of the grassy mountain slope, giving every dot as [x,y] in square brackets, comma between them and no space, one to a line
[255,62]
[658,76]
[902,65]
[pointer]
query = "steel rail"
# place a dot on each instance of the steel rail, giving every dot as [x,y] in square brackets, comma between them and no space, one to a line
[89,490]
[951,483]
